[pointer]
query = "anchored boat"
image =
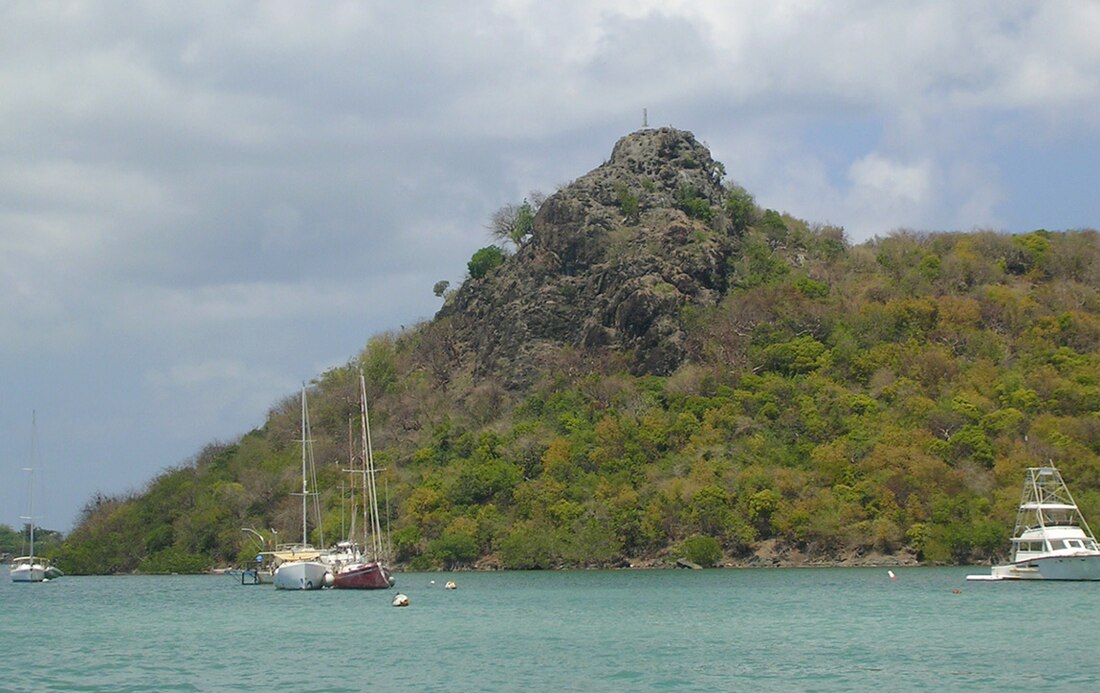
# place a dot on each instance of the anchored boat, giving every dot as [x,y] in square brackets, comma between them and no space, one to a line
[32,568]
[1051,540]
[298,566]
[371,571]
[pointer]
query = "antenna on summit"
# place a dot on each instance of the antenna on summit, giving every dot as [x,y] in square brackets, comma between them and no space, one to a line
[645,118]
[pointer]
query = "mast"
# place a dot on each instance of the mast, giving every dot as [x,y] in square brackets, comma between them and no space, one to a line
[305,486]
[350,535]
[371,490]
[29,517]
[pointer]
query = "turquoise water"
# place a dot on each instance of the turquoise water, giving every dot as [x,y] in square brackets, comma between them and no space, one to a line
[718,630]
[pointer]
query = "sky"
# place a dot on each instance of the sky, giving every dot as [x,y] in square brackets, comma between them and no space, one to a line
[204,204]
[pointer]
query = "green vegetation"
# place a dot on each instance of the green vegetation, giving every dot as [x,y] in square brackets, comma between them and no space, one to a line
[824,398]
[485,260]
[703,550]
[628,203]
[883,398]
[16,542]
[692,203]
[741,209]
[516,223]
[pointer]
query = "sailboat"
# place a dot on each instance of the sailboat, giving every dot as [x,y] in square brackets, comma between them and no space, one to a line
[346,551]
[31,568]
[299,565]
[370,573]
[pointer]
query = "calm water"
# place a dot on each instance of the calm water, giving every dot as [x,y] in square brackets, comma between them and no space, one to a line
[778,629]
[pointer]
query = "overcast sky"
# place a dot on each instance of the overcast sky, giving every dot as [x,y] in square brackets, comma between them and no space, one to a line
[203,204]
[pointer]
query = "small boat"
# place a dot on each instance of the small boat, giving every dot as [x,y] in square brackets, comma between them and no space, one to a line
[32,568]
[1051,540]
[299,566]
[370,571]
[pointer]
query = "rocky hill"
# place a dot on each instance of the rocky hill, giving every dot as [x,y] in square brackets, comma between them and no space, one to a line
[659,369]
[611,261]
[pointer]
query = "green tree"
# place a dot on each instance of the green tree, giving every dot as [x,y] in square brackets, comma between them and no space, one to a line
[740,208]
[701,549]
[453,549]
[513,222]
[485,260]
[529,546]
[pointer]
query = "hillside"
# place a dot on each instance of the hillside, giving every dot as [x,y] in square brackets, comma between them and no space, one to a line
[655,367]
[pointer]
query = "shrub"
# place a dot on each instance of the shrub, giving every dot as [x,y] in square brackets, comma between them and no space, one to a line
[453,549]
[740,208]
[529,547]
[173,560]
[628,203]
[692,203]
[701,549]
[485,260]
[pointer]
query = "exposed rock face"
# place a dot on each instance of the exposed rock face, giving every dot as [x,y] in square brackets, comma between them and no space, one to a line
[612,260]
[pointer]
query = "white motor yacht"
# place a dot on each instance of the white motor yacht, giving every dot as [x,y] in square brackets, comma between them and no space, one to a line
[1051,540]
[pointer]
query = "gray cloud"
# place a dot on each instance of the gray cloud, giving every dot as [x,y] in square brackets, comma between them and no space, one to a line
[203,204]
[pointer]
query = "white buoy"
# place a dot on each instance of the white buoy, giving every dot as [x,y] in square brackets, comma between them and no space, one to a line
[450,585]
[400,600]
[891,574]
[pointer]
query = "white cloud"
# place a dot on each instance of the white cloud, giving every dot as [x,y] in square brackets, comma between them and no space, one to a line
[224,195]
[875,177]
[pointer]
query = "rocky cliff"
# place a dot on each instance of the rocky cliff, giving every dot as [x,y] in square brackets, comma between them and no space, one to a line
[612,260]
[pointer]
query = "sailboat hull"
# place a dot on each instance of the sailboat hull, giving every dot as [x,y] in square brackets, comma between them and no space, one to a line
[28,572]
[363,576]
[300,575]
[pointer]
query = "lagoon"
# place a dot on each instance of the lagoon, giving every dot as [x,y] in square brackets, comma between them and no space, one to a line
[782,629]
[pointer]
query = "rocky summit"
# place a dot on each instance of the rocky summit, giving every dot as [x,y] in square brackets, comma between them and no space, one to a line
[611,261]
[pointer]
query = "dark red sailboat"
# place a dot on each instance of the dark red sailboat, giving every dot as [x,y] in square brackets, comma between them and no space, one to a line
[370,572]
[364,576]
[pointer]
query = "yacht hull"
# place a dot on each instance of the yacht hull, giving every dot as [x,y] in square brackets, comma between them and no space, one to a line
[363,576]
[1051,568]
[28,573]
[300,575]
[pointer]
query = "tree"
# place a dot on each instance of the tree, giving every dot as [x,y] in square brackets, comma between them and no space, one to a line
[453,549]
[741,208]
[440,287]
[485,260]
[701,549]
[513,222]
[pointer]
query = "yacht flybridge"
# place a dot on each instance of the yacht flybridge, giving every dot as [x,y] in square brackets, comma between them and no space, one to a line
[1051,540]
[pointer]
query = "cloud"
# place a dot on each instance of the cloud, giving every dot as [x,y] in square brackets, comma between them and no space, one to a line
[875,177]
[200,203]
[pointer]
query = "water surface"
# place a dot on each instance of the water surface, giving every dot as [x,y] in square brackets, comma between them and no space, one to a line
[842,629]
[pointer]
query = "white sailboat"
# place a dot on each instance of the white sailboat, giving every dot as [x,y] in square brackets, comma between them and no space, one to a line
[31,568]
[298,565]
[1051,540]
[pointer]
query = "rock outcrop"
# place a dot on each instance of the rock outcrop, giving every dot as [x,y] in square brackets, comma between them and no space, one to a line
[612,260]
